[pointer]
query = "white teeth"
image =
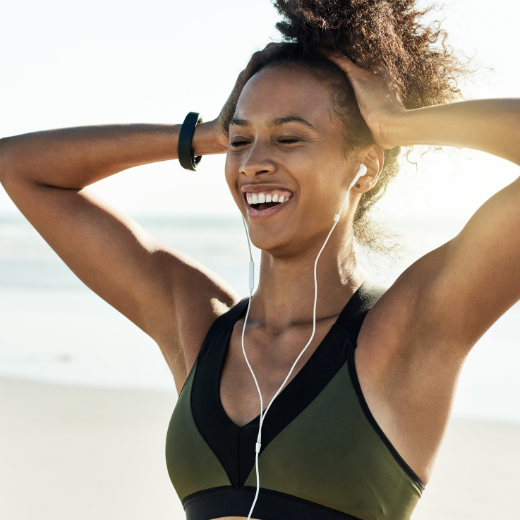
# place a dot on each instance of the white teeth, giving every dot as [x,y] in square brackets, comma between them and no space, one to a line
[260,198]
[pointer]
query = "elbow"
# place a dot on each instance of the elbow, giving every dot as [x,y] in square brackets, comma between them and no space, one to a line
[13,161]
[7,160]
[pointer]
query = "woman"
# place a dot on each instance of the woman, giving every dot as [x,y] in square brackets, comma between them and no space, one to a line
[355,432]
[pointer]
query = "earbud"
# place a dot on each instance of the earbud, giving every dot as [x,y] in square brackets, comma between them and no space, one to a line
[362,171]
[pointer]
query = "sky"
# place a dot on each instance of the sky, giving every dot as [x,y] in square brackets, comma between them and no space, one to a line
[107,61]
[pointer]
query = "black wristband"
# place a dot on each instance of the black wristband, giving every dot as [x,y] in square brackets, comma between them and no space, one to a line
[186,153]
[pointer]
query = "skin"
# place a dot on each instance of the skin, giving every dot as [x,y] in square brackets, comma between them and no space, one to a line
[414,341]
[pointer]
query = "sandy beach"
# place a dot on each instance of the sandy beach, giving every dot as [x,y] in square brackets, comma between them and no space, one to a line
[83,453]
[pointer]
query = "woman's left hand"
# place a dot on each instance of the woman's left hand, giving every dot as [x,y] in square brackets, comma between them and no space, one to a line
[379,105]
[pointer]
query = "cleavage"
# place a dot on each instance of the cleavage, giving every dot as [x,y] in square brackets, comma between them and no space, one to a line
[271,359]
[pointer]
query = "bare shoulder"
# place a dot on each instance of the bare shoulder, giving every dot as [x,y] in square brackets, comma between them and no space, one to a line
[198,296]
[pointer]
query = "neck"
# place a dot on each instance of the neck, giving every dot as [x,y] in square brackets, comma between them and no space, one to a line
[285,294]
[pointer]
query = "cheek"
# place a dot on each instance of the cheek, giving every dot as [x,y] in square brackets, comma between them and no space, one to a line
[321,183]
[322,195]
[322,166]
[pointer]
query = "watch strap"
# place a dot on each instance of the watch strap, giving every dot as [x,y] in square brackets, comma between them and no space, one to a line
[186,153]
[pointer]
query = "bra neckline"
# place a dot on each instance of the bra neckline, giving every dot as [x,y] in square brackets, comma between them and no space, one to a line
[234,445]
[255,422]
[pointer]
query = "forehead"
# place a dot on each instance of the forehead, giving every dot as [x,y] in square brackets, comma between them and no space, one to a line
[283,91]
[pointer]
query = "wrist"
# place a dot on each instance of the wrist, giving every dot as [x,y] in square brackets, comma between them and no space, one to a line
[208,139]
[393,129]
[407,128]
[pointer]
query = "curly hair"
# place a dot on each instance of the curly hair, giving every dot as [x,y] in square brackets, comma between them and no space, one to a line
[390,35]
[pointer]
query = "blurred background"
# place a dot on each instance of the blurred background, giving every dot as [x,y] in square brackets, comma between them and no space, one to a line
[73,372]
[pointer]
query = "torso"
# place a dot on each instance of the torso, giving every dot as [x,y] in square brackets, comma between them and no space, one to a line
[236,386]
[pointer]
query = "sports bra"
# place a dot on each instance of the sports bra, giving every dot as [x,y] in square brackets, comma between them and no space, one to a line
[323,455]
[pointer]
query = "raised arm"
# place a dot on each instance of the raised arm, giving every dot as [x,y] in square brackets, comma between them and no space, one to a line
[165,293]
[488,125]
[475,277]
[467,284]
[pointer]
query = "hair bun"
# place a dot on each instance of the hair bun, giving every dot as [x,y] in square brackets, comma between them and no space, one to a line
[318,23]
[390,34]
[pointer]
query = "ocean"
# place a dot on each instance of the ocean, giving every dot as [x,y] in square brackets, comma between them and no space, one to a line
[54,329]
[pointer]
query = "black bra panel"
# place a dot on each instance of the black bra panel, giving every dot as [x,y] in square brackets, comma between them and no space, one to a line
[221,324]
[224,322]
[220,433]
[352,317]
[227,501]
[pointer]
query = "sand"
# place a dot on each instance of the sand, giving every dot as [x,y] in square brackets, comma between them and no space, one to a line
[82,453]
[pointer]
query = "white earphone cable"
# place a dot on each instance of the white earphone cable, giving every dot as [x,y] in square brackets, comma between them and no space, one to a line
[362,170]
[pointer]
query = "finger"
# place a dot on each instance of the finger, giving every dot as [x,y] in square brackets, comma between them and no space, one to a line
[355,72]
[344,63]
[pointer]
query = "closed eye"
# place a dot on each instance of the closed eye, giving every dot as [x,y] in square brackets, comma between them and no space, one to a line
[238,143]
[293,139]
[282,140]
[289,140]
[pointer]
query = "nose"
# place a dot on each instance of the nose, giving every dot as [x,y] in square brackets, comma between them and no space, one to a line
[257,161]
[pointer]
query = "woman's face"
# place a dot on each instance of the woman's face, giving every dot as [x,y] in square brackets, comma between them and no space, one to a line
[285,144]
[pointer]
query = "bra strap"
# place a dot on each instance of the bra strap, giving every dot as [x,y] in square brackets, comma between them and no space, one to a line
[224,322]
[352,317]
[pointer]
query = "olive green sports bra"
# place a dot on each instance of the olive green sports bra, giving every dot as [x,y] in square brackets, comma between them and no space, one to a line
[323,455]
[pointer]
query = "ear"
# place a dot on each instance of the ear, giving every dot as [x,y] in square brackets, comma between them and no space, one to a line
[374,160]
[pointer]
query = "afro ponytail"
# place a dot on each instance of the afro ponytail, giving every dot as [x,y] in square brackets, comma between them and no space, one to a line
[388,34]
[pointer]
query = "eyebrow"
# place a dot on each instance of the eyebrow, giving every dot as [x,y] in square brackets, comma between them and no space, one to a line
[274,122]
[239,122]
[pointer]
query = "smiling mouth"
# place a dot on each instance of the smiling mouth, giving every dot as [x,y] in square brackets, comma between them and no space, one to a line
[268,199]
